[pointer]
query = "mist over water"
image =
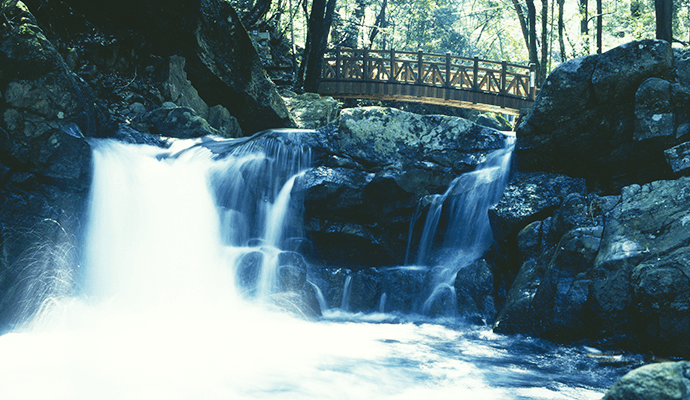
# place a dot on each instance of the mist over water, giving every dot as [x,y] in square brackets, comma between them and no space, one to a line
[155,312]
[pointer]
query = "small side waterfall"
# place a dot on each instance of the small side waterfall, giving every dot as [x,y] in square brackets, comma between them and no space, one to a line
[347,290]
[468,234]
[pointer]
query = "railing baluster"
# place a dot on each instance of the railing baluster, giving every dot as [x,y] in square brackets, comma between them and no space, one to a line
[393,72]
[449,75]
[532,81]
[475,73]
[504,70]
[338,64]
[420,66]
[365,65]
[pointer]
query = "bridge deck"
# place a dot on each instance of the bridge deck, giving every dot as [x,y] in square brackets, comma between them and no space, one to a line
[428,78]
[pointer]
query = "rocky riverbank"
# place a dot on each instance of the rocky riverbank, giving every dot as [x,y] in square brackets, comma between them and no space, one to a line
[590,235]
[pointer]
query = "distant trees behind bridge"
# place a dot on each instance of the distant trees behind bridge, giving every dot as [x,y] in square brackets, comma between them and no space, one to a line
[541,32]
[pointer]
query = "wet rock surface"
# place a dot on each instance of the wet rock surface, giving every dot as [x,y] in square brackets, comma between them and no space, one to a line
[375,164]
[668,380]
[606,118]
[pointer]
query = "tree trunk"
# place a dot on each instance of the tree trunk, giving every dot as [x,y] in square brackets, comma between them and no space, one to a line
[354,26]
[544,42]
[532,45]
[664,19]
[320,21]
[260,9]
[561,29]
[600,27]
[379,23]
[584,25]
[523,24]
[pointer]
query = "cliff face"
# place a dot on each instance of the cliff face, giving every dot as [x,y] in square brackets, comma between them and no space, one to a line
[608,263]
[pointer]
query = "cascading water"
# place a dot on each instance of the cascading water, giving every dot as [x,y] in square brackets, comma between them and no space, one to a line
[468,233]
[156,310]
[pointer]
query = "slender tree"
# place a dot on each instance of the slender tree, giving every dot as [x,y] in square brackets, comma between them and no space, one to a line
[584,24]
[664,19]
[561,30]
[319,28]
[600,27]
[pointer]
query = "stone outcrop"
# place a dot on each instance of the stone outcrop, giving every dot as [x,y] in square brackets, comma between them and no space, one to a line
[195,53]
[667,381]
[45,161]
[612,268]
[607,118]
[606,259]
[310,110]
[374,165]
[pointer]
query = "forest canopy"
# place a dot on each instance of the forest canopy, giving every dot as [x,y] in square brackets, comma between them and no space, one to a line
[543,32]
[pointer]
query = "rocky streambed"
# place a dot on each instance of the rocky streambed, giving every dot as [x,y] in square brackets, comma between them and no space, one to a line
[590,237]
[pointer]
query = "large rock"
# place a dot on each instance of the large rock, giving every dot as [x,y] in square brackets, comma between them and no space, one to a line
[527,198]
[221,61]
[549,295]
[226,70]
[375,165]
[310,110]
[379,136]
[664,381]
[45,164]
[179,90]
[642,268]
[612,268]
[588,121]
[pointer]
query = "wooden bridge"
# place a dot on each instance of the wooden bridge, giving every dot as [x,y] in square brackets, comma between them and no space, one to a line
[428,78]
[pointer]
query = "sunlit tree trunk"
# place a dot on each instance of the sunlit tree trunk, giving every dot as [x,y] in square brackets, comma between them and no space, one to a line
[523,23]
[544,41]
[584,25]
[561,30]
[379,23]
[664,19]
[320,20]
[600,27]
[532,19]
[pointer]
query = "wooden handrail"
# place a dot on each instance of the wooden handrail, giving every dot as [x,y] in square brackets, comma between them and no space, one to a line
[419,68]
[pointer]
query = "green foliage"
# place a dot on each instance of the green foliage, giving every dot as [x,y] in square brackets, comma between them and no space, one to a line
[489,29]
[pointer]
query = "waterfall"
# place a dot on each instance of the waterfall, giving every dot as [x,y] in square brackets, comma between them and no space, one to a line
[468,234]
[347,289]
[156,308]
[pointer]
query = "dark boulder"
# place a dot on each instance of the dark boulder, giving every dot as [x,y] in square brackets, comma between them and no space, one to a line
[45,164]
[611,269]
[474,289]
[593,115]
[678,158]
[177,122]
[527,198]
[667,381]
[221,62]
[403,288]
[375,165]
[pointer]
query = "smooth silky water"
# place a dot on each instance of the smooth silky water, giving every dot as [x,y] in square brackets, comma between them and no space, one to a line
[152,310]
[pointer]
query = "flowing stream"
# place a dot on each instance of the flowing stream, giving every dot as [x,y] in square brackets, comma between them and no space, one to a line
[154,309]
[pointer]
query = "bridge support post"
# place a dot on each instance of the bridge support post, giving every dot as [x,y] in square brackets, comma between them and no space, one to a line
[475,74]
[420,66]
[365,65]
[449,73]
[338,64]
[504,73]
[532,81]
[393,72]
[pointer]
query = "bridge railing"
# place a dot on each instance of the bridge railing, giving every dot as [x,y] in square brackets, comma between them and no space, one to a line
[419,68]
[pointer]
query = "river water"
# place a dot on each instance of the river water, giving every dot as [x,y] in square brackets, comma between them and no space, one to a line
[152,309]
